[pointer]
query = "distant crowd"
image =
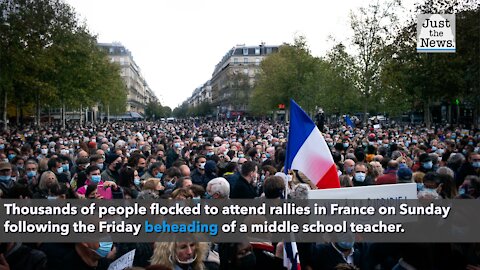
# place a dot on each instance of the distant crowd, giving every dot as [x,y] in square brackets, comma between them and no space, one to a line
[206,159]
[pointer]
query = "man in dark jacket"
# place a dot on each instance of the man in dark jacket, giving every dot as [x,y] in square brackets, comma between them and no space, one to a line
[470,167]
[244,187]
[198,175]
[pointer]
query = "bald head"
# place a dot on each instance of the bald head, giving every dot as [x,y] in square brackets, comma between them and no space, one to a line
[393,165]
[185,170]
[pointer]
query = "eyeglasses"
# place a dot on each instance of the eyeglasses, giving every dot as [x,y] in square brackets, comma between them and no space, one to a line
[360,171]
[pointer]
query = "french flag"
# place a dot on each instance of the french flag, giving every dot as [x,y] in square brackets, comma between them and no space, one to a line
[308,152]
[290,256]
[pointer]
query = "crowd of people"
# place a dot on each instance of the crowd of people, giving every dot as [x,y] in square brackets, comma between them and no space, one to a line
[206,159]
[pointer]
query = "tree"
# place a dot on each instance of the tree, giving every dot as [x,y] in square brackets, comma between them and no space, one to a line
[337,92]
[373,28]
[289,73]
[426,78]
[49,59]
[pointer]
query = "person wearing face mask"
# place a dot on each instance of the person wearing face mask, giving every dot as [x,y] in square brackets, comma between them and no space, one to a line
[129,179]
[78,256]
[56,166]
[244,187]
[198,175]
[31,171]
[360,177]
[93,178]
[170,179]
[329,255]
[156,170]
[48,186]
[426,163]
[98,161]
[349,168]
[6,182]
[180,255]
[114,162]
[470,167]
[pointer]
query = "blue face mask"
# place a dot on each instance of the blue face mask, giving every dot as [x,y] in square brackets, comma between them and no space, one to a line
[428,165]
[104,249]
[345,145]
[170,185]
[419,186]
[2,146]
[96,179]
[136,181]
[5,178]
[159,175]
[345,245]
[11,156]
[476,164]
[66,167]
[100,166]
[209,154]
[60,170]
[208,196]
[31,174]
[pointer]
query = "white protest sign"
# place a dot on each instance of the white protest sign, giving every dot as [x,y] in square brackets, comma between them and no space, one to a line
[123,262]
[389,194]
[377,126]
[394,191]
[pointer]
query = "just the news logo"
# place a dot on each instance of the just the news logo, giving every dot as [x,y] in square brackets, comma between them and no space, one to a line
[436,33]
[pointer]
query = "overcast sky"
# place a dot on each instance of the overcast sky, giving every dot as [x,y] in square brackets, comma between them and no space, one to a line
[177,43]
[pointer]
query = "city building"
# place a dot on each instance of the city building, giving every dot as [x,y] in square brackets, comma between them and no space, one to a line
[200,95]
[233,79]
[139,93]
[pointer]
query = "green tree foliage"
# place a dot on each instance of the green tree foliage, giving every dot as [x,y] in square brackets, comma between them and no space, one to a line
[181,111]
[290,73]
[337,93]
[155,110]
[373,27]
[49,59]
[438,76]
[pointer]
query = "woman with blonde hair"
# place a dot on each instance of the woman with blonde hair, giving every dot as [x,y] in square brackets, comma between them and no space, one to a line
[48,186]
[180,255]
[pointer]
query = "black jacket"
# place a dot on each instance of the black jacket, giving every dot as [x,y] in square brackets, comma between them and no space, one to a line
[243,190]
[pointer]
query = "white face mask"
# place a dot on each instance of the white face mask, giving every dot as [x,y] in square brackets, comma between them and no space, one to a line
[202,166]
[189,261]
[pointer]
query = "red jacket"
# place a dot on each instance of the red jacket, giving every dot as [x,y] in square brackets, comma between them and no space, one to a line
[390,177]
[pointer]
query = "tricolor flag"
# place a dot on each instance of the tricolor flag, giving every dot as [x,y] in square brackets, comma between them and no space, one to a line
[308,152]
[290,256]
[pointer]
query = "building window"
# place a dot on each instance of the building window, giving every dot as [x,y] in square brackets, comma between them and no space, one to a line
[122,60]
[110,50]
[257,51]
[245,51]
[245,71]
[257,61]
[235,60]
[245,60]
[269,50]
